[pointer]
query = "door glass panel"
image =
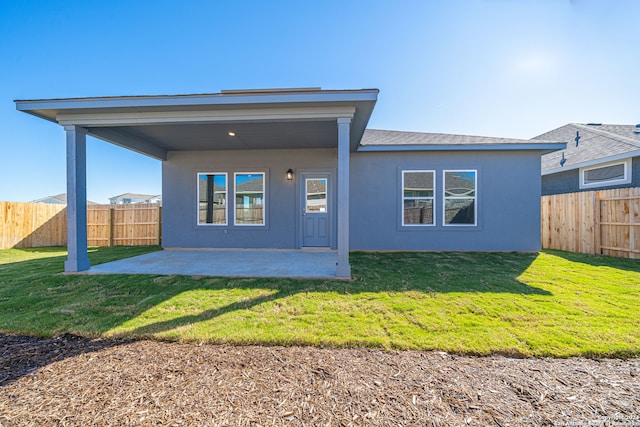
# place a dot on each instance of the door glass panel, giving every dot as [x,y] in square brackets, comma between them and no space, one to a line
[316,195]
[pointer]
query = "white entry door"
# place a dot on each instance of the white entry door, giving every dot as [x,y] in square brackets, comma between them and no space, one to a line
[316,218]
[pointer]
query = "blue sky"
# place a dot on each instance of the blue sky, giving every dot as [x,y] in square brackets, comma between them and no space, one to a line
[511,68]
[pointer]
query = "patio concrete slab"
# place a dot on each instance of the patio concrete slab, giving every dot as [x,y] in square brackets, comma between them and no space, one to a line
[227,263]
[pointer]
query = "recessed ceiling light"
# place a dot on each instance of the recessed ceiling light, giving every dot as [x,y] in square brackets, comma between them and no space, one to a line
[231,133]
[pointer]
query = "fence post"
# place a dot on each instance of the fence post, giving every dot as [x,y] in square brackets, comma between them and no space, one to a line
[110,226]
[632,231]
[597,228]
[159,225]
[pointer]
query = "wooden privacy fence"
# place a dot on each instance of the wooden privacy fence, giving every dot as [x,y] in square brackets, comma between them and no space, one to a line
[124,225]
[595,222]
[27,225]
[603,222]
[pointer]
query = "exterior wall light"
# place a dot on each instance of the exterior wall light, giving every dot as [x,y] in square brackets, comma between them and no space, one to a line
[231,133]
[289,175]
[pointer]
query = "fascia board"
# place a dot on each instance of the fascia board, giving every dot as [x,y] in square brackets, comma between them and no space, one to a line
[370,95]
[593,162]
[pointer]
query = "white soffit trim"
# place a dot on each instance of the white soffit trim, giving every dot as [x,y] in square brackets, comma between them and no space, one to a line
[207,116]
[593,162]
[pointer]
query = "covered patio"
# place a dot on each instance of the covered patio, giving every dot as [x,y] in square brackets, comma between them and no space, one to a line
[299,264]
[250,127]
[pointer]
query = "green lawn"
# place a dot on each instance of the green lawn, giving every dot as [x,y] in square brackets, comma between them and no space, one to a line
[550,304]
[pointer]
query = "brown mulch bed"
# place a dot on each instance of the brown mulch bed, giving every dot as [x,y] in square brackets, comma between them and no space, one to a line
[72,381]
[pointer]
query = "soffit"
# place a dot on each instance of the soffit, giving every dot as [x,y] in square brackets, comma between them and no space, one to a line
[215,136]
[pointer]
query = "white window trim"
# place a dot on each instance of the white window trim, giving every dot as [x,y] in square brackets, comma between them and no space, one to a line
[432,198]
[445,197]
[626,180]
[226,206]
[264,199]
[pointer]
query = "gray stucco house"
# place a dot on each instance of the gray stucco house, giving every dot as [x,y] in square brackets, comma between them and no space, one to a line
[133,198]
[598,156]
[297,168]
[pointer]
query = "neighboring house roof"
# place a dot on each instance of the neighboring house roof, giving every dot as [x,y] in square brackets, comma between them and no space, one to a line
[217,188]
[391,140]
[251,185]
[597,143]
[58,199]
[316,186]
[417,180]
[133,196]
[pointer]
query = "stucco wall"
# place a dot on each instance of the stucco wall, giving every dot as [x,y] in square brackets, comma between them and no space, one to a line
[179,191]
[508,211]
[569,181]
[508,199]
[560,183]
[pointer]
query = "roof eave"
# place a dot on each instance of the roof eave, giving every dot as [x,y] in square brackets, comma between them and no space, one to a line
[91,113]
[198,100]
[543,147]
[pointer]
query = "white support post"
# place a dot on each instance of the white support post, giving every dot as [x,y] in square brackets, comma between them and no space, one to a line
[343,268]
[78,257]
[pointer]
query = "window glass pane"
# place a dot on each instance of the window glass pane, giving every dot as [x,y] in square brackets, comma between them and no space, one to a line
[316,195]
[417,196]
[460,184]
[418,211]
[459,197]
[418,184]
[249,198]
[608,173]
[459,211]
[212,198]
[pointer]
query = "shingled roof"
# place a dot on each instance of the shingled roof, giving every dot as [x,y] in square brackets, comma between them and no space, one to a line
[383,140]
[597,143]
[58,199]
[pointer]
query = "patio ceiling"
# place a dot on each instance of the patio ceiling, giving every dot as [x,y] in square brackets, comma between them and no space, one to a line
[259,119]
[215,136]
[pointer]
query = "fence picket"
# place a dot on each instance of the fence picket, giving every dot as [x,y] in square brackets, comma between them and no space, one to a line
[24,225]
[596,222]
